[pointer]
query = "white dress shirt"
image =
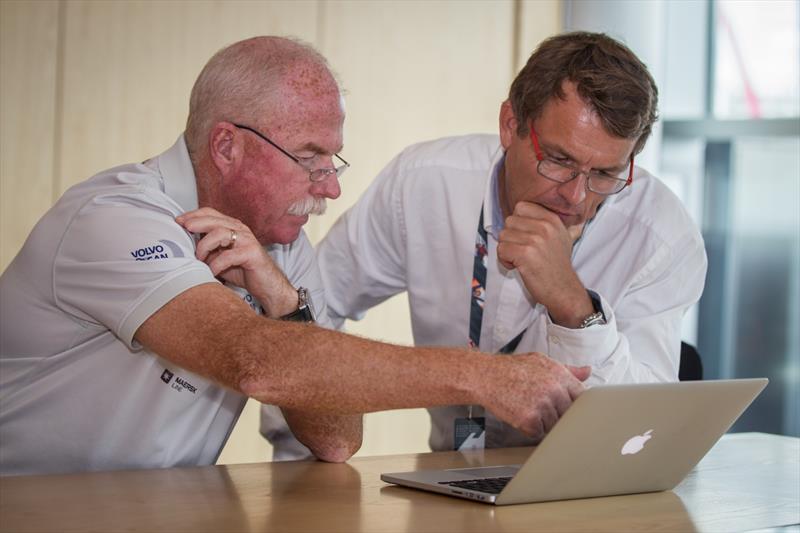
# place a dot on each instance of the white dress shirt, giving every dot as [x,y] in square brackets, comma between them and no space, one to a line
[414,230]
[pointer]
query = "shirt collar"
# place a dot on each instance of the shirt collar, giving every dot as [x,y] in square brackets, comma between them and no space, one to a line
[177,171]
[493,220]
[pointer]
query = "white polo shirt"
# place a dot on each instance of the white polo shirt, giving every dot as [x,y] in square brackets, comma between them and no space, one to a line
[414,230]
[77,392]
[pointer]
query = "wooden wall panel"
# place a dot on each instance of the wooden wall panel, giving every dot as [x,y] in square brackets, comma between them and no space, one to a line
[538,20]
[129,68]
[28,59]
[413,71]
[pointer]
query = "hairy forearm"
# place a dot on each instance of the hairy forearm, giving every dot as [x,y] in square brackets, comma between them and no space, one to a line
[209,331]
[303,366]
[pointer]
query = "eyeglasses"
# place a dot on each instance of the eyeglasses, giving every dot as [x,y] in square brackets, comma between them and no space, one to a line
[314,175]
[597,181]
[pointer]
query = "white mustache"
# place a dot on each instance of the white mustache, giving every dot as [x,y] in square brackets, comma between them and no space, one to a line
[308,206]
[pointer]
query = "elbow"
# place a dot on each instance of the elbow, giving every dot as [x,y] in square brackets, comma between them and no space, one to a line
[337,450]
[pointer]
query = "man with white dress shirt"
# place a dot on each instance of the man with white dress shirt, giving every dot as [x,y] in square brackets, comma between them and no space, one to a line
[545,238]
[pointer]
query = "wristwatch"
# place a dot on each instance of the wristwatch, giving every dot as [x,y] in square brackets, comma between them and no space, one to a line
[597,318]
[305,308]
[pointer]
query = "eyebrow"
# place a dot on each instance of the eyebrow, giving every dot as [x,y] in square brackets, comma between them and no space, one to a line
[317,149]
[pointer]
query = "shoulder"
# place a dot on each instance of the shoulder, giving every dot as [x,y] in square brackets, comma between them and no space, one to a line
[119,213]
[453,166]
[124,199]
[648,205]
[133,185]
[465,152]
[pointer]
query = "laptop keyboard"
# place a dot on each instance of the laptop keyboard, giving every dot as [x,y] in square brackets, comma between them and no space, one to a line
[491,485]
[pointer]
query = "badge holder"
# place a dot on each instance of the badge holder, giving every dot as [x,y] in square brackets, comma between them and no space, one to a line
[469,433]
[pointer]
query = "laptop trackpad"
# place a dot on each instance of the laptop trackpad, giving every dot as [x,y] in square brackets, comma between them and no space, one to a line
[487,471]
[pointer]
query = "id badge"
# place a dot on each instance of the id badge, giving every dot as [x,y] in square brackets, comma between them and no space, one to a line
[469,433]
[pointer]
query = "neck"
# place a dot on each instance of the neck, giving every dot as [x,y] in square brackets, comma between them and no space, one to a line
[205,175]
[502,197]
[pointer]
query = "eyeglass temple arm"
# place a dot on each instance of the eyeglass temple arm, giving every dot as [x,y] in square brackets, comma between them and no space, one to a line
[536,148]
[630,174]
[265,138]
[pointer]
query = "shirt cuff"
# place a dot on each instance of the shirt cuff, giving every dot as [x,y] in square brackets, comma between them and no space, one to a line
[587,346]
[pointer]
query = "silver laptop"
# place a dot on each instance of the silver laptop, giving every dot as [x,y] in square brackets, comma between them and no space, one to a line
[616,439]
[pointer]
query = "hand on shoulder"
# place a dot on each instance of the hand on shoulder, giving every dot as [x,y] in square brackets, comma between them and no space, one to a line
[234,254]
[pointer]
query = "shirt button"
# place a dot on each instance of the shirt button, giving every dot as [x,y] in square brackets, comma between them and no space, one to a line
[502,331]
[554,339]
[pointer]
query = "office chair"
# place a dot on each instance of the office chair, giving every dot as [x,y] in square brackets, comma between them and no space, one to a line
[691,366]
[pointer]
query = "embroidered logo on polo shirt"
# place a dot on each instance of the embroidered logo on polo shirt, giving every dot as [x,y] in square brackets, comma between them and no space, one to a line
[163,249]
[179,384]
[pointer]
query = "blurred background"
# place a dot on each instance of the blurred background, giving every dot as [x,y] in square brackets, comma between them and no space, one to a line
[86,85]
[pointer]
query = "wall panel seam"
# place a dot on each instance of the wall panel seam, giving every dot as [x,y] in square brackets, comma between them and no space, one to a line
[58,107]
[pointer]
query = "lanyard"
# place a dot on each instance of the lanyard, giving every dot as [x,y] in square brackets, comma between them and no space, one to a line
[477,426]
[478,288]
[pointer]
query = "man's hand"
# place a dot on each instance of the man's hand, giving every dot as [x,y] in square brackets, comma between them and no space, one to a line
[240,260]
[530,392]
[536,243]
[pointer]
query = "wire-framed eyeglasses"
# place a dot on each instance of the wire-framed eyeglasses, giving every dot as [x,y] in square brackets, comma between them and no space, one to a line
[314,175]
[597,181]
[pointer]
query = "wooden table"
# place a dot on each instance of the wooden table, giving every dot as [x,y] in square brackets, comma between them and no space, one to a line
[748,481]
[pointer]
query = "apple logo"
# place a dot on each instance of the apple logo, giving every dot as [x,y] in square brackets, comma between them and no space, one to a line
[635,444]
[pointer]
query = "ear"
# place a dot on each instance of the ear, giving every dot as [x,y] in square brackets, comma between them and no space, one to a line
[225,147]
[508,124]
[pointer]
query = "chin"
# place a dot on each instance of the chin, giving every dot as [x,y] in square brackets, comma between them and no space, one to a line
[570,221]
[280,236]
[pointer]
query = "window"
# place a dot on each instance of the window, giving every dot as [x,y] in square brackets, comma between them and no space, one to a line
[732,141]
[756,59]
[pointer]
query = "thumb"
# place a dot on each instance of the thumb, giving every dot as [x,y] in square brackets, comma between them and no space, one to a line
[506,264]
[576,231]
[580,372]
[502,256]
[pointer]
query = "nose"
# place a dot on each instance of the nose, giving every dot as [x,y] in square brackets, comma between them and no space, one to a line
[328,187]
[574,190]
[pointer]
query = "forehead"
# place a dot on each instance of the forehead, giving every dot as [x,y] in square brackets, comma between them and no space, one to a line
[572,125]
[307,107]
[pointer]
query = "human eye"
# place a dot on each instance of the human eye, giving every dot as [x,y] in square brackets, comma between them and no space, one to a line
[557,160]
[561,160]
[307,161]
[605,175]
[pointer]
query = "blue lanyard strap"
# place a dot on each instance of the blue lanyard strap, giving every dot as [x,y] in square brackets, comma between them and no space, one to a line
[478,289]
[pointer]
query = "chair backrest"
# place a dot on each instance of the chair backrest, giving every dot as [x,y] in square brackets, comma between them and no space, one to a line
[691,368]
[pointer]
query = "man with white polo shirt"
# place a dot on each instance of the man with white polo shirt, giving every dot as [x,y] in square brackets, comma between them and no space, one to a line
[545,238]
[121,348]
